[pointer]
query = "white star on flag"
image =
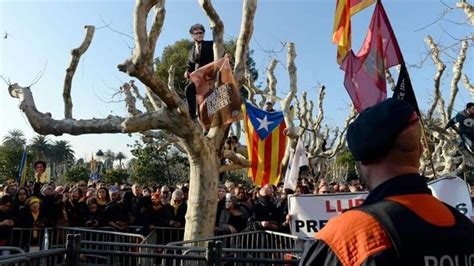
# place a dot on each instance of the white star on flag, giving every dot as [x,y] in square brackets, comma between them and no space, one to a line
[264,123]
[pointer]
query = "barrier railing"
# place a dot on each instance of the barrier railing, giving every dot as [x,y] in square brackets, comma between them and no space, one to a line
[262,246]
[116,248]
[36,239]
[78,252]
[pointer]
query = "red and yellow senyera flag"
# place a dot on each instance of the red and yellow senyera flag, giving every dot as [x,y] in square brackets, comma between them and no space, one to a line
[342,24]
[266,143]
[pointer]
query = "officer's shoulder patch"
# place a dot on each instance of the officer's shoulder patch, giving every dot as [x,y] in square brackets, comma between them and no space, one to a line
[354,236]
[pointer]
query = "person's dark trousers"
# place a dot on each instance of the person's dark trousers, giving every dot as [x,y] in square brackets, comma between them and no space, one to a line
[191,98]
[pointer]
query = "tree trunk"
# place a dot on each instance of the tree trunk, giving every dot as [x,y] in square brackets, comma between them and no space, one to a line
[202,203]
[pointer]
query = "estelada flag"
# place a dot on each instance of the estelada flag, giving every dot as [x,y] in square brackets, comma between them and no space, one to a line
[23,168]
[342,24]
[404,90]
[365,72]
[217,95]
[266,144]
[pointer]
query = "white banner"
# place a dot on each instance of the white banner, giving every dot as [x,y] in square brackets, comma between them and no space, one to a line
[309,213]
[453,191]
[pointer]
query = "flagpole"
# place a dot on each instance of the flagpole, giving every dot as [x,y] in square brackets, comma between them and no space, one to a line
[422,124]
[425,138]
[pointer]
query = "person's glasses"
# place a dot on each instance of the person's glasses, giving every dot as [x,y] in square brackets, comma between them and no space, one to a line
[228,201]
[198,33]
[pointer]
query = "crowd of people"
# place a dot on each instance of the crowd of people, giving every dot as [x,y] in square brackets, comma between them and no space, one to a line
[97,204]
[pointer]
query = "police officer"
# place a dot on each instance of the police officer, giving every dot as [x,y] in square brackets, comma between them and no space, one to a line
[400,222]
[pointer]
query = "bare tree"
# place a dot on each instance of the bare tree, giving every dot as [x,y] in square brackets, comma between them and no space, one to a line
[449,157]
[166,112]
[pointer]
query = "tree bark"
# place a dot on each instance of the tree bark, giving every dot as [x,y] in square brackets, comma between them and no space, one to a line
[204,166]
[71,70]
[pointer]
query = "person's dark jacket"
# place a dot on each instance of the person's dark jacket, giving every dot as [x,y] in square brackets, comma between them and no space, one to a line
[205,57]
[225,217]
[5,230]
[94,219]
[76,212]
[27,221]
[179,216]
[466,123]
[409,227]
[264,210]
[115,212]
[220,208]
[53,206]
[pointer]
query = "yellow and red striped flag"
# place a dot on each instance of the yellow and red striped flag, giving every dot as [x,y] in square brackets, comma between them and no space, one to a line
[342,24]
[266,144]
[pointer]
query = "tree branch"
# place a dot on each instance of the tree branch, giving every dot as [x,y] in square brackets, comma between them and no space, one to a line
[71,70]
[271,79]
[44,124]
[468,85]
[468,9]
[440,67]
[285,103]
[217,27]
[246,30]
[457,71]
[140,65]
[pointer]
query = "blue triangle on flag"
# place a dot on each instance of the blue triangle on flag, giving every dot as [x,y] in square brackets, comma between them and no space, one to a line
[263,122]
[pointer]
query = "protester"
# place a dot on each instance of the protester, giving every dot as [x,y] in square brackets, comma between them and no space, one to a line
[94,217]
[176,210]
[103,197]
[201,54]
[269,107]
[76,210]
[465,119]
[19,201]
[165,195]
[6,219]
[233,219]
[40,171]
[400,222]
[115,214]
[221,192]
[265,215]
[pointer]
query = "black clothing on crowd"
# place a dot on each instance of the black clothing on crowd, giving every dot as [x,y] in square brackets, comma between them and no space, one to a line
[200,57]
[239,222]
[197,58]
[220,208]
[76,212]
[176,215]
[466,126]
[94,219]
[264,209]
[400,223]
[115,212]
[5,230]
[53,206]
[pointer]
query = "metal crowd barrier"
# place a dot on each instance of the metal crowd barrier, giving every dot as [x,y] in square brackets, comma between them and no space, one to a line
[37,258]
[115,248]
[37,239]
[249,248]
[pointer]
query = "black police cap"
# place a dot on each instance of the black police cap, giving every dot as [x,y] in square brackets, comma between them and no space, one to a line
[374,131]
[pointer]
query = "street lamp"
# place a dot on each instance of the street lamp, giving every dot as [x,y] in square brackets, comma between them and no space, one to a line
[100,156]
[100,160]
